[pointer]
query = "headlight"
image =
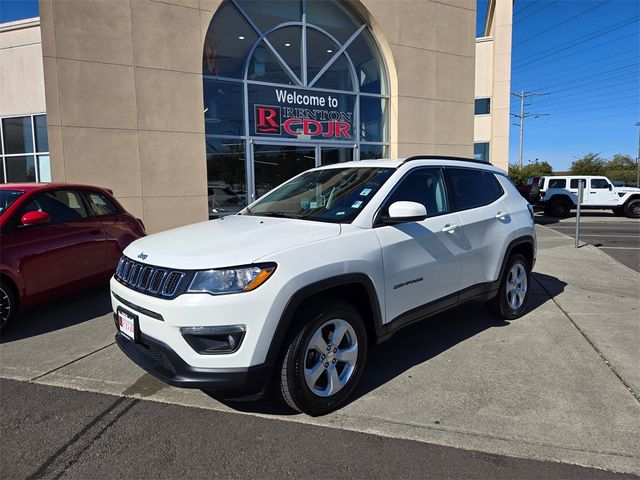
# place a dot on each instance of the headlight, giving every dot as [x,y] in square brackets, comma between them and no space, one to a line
[231,280]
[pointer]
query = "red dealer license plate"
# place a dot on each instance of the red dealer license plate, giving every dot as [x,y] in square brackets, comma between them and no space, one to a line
[128,323]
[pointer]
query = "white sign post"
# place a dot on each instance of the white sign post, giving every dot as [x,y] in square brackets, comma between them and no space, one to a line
[580,196]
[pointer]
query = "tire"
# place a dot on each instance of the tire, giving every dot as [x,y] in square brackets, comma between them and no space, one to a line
[618,211]
[8,305]
[508,303]
[560,207]
[317,382]
[632,208]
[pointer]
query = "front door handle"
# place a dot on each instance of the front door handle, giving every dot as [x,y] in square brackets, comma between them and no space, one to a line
[450,228]
[501,215]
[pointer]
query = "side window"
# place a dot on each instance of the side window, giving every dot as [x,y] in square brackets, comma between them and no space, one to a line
[575,183]
[61,205]
[468,188]
[425,186]
[599,183]
[494,185]
[100,204]
[558,183]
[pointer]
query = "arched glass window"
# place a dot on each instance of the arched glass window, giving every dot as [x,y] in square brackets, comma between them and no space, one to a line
[288,84]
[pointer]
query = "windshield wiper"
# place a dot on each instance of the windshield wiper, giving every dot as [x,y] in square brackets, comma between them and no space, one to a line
[277,214]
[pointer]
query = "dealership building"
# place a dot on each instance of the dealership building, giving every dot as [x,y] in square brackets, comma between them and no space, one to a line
[189,109]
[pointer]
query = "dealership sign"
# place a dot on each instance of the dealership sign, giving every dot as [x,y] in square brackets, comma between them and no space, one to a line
[292,113]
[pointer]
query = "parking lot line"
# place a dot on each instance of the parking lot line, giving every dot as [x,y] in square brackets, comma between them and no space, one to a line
[622,248]
[603,235]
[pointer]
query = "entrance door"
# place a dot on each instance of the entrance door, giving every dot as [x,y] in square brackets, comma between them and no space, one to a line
[274,164]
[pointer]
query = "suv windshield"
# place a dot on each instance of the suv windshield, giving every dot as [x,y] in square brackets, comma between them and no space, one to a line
[333,195]
[7,197]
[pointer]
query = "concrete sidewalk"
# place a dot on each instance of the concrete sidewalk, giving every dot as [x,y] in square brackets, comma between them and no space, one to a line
[553,385]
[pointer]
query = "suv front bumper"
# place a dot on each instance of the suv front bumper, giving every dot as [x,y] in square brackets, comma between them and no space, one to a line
[162,362]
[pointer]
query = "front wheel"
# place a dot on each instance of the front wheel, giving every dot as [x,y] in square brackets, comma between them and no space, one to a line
[325,360]
[632,208]
[513,294]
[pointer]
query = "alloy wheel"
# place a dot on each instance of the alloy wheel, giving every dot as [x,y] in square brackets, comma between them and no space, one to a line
[517,285]
[330,357]
[5,307]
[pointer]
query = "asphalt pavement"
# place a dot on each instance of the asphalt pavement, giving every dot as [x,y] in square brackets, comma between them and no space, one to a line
[618,237]
[460,395]
[61,433]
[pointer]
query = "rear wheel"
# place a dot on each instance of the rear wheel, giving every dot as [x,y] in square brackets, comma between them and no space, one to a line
[8,304]
[513,294]
[632,208]
[325,360]
[560,207]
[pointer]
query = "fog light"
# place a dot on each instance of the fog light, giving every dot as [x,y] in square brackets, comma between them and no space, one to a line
[214,340]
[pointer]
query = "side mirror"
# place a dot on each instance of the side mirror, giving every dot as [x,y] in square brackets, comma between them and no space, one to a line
[35,217]
[401,212]
[610,187]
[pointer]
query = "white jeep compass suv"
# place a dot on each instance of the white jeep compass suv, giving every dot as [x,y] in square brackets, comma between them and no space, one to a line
[295,288]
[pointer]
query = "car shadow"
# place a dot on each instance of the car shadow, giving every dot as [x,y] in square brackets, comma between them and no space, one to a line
[418,343]
[542,219]
[58,314]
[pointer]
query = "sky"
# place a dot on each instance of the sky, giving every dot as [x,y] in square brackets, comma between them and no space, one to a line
[583,55]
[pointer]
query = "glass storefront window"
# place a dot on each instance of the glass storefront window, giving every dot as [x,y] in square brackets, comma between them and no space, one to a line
[21,138]
[266,14]
[42,139]
[372,152]
[226,176]
[295,90]
[332,17]
[20,169]
[223,102]
[17,134]
[373,119]
[227,46]
[367,61]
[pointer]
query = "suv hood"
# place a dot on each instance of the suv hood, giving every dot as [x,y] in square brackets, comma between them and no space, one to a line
[226,242]
[626,190]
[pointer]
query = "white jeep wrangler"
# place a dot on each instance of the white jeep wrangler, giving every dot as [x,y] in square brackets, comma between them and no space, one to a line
[559,194]
[293,289]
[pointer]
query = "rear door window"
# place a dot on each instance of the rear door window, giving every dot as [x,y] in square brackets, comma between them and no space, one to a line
[468,188]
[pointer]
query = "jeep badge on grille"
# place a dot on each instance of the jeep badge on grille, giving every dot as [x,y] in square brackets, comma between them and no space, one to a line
[142,256]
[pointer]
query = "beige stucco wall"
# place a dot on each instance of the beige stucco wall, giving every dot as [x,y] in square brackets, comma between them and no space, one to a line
[124,92]
[21,75]
[493,79]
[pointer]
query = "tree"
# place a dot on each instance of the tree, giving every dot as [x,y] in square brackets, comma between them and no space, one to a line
[621,167]
[533,169]
[589,164]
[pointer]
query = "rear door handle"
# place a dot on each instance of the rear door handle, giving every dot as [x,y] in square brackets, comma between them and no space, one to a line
[501,215]
[450,228]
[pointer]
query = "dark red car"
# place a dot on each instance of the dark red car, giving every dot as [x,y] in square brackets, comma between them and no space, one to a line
[58,238]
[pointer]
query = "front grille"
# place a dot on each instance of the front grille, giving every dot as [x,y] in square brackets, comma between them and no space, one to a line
[149,279]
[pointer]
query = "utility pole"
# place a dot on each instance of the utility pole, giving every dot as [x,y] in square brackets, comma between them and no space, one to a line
[522,95]
[638,159]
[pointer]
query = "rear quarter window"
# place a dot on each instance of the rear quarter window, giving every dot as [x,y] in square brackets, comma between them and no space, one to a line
[557,183]
[494,185]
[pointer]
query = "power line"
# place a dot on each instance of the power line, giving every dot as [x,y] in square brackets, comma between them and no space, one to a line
[597,89]
[607,107]
[537,11]
[555,50]
[591,119]
[626,75]
[633,67]
[572,103]
[598,61]
[561,23]
[531,4]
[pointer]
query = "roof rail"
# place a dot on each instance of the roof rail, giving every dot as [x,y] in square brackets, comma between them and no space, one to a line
[443,157]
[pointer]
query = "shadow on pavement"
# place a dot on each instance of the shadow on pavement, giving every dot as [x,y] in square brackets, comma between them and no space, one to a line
[419,343]
[59,314]
[542,219]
